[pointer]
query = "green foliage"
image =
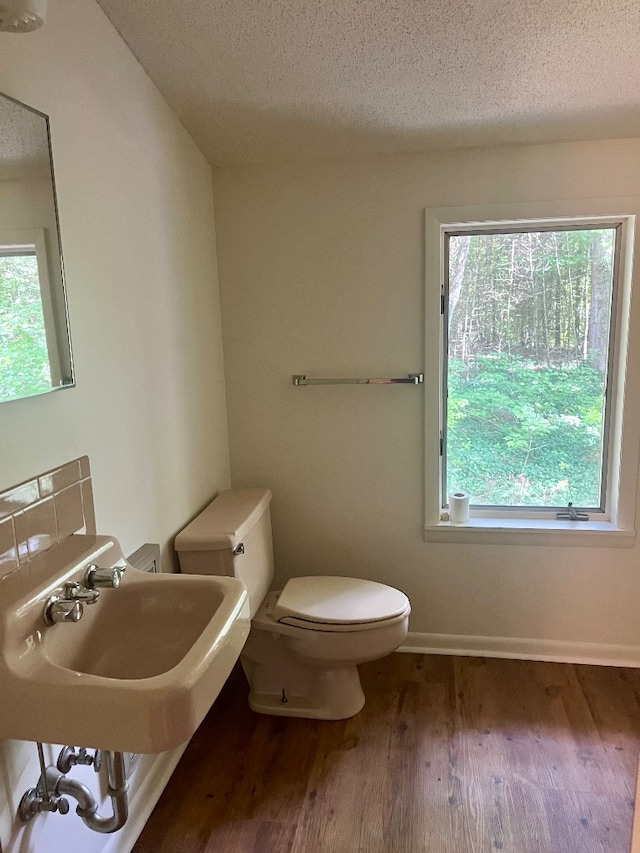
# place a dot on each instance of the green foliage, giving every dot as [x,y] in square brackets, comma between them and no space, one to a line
[528,331]
[24,358]
[522,434]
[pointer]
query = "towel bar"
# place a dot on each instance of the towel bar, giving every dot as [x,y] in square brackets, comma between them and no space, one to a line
[411,379]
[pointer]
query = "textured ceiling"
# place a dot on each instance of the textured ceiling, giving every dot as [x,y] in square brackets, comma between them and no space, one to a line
[265,80]
[24,144]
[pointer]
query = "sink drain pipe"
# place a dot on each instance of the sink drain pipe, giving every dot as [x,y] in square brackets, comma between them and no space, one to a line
[88,808]
[49,794]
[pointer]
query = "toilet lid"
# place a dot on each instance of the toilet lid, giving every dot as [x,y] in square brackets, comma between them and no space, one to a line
[339,601]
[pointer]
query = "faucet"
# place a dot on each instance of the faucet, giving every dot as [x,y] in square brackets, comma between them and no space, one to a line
[95,577]
[69,606]
[75,591]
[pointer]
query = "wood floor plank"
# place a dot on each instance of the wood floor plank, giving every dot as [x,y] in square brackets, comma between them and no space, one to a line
[348,782]
[589,823]
[569,754]
[635,830]
[613,697]
[483,709]
[449,755]
[418,766]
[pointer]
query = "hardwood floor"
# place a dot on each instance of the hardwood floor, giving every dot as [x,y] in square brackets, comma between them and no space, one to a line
[449,754]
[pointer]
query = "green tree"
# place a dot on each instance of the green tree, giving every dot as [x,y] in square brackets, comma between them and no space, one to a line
[24,358]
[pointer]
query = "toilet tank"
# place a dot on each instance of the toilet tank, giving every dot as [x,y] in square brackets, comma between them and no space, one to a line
[232,536]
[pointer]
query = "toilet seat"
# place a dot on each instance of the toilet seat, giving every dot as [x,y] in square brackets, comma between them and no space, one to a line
[325,603]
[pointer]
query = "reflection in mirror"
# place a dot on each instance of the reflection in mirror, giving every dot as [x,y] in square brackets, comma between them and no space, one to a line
[35,346]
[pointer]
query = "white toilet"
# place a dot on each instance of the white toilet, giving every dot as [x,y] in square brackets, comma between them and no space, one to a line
[306,641]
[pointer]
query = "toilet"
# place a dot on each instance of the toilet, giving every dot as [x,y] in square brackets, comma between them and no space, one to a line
[307,639]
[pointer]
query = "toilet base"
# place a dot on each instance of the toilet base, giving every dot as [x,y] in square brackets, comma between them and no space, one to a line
[294,691]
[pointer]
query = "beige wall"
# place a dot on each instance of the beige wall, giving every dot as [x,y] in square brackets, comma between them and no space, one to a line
[321,272]
[137,222]
[138,231]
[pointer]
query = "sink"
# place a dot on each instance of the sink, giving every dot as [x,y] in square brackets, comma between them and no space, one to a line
[137,673]
[137,631]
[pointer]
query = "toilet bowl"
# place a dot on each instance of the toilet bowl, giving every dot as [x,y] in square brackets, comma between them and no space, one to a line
[307,639]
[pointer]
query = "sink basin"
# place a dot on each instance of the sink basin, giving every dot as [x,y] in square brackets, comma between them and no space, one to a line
[137,673]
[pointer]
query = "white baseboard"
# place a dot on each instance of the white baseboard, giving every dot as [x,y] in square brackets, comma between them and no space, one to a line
[523,649]
[154,773]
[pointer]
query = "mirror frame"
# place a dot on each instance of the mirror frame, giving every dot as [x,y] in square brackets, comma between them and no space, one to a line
[46,243]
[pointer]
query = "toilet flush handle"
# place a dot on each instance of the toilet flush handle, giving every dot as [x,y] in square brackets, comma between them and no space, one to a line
[239,549]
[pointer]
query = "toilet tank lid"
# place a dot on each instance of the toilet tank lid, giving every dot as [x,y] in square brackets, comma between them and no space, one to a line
[225,521]
[339,601]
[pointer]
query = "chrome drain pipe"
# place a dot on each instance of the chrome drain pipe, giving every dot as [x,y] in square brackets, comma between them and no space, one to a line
[88,808]
[47,796]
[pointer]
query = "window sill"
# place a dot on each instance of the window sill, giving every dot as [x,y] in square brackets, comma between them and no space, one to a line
[525,531]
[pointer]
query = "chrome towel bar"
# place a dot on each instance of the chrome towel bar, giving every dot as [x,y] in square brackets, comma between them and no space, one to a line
[411,379]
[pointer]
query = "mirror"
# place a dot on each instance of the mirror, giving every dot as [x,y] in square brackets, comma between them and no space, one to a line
[35,344]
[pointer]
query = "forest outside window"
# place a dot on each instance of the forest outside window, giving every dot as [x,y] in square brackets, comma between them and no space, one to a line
[534,339]
[29,353]
[528,321]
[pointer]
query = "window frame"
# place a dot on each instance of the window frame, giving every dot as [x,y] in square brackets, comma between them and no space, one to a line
[529,525]
[601,512]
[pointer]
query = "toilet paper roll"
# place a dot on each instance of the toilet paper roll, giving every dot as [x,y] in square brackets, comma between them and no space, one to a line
[459,507]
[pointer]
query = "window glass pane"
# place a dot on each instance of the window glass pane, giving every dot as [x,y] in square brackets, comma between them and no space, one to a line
[528,341]
[24,358]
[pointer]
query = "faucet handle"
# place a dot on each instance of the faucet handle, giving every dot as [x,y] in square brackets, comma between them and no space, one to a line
[96,577]
[62,610]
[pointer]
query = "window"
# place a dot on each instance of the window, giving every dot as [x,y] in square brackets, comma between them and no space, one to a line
[29,357]
[526,331]
[534,341]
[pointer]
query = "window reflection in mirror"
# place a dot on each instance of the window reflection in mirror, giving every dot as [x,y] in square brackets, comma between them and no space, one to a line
[35,352]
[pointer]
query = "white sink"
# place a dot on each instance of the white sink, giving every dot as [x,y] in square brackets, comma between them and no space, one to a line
[140,669]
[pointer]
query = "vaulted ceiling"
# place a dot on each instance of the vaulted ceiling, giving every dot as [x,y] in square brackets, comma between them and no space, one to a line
[270,80]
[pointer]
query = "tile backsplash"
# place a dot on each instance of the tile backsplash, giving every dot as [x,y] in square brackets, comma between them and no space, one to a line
[41,512]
